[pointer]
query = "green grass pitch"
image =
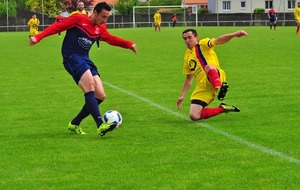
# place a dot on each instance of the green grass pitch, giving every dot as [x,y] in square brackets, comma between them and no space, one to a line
[157,146]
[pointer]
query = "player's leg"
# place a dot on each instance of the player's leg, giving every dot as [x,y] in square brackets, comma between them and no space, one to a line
[101,95]
[275,25]
[298,28]
[82,114]
[201,97]
[31,33]
[223,108]
[99,89]
[198,110]
[270,25]
[213,76]
[90,106]
[87,84]
[217,78]
[80,68]
[36,32]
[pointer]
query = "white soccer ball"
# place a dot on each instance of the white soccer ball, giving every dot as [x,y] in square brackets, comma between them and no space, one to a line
[113,116]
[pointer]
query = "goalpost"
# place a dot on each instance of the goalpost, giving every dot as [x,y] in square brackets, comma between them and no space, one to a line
[147,18]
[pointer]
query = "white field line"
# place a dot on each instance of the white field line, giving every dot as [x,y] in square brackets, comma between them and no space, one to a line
[215,130]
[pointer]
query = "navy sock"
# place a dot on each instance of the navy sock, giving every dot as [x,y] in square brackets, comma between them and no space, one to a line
[92,106]
[83,114]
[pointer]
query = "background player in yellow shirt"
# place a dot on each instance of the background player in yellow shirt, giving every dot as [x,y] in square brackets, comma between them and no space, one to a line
[297,17]
[202,64]
[157,21]
[80,9]
[33,24]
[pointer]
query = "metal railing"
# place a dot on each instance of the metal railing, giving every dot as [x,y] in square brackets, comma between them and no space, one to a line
[23,28]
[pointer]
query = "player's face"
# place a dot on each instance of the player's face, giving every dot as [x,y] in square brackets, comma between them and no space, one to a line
[189,39]
[101,18]
[80,6]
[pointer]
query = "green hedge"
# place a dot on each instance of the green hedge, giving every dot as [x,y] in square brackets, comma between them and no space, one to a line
[259,10]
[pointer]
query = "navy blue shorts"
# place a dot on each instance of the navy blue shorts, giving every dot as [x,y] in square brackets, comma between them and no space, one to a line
[77,65]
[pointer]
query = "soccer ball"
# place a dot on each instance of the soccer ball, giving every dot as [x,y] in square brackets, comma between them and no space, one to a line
[113,116]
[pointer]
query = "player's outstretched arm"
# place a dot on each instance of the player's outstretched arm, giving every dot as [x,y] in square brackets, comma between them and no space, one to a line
[226,37]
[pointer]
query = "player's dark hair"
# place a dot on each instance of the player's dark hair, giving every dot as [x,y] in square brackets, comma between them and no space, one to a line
[100,6]
[191,30]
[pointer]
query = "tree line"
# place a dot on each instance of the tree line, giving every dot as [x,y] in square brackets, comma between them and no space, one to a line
[52,7]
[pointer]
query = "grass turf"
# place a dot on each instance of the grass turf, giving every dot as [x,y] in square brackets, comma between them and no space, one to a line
[157,147]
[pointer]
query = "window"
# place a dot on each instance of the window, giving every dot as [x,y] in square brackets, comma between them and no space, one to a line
[268,4]
[226,5]
[243,4]
[291,4]
[194,9]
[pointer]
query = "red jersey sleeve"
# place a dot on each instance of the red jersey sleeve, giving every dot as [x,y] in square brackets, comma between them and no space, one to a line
[113,40]
[57,27]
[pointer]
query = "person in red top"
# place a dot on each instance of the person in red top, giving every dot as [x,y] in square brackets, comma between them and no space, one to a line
[174,19]
[59,18]
[272,17]
[82,32]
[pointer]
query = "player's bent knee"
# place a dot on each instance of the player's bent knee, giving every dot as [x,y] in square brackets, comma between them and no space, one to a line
[194,117]
[101,96]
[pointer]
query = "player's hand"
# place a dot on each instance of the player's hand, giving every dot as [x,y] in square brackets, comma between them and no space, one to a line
[179,100]
[241,33]
[133,48]
[32,41]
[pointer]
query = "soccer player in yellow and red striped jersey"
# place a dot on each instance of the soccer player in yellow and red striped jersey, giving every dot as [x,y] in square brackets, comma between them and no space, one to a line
[297,17]
[201,63]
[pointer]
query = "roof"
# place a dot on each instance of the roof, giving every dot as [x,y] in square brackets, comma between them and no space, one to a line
[110,2]
[195,2]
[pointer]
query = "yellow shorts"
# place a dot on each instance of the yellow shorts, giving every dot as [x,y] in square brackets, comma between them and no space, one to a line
[157,23]
[33,32]
[204,90]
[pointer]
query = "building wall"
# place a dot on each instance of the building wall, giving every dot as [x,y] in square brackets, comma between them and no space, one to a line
[216,6]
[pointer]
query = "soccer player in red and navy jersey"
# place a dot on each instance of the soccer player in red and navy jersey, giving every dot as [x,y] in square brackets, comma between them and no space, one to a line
[82,32]
[272,17]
